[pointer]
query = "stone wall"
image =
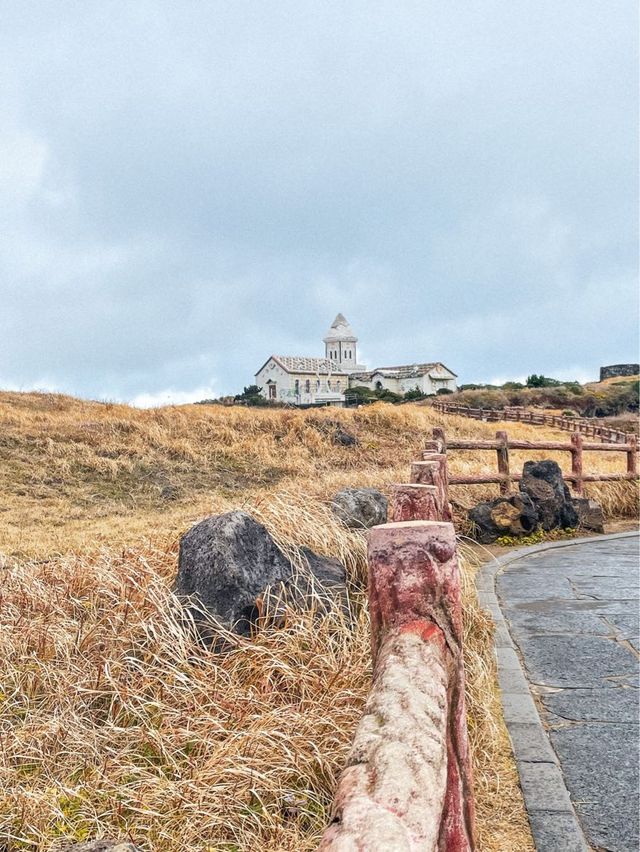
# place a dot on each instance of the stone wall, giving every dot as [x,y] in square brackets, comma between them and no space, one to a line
[614,370]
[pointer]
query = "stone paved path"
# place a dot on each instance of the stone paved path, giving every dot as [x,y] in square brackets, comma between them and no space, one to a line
[573,613]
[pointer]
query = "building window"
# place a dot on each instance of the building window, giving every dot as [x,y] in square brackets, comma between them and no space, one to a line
[338,384]
[329,383]
[317,384]
[378,385]
[307,386]
[297,386]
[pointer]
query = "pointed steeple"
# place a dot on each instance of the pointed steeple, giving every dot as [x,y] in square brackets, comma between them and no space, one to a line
[341,344]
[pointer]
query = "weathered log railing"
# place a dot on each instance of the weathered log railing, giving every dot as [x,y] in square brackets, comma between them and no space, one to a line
[504,477]
[408,784]
[538,418]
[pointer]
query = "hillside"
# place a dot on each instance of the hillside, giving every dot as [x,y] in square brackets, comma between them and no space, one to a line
[113,720]
[613,397]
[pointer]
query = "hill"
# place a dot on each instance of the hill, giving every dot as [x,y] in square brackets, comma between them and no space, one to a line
[114,722]
[611,398]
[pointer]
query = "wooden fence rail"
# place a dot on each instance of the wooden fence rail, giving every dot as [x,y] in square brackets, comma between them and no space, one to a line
[505,477]
[521,415]
[407,784]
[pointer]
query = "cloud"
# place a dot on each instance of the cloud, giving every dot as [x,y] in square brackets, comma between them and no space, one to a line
[171,396]
[186,189]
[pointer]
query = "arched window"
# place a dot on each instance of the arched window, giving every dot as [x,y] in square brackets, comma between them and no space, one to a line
[338,385]
[297,386]
[307,386]
[378,385]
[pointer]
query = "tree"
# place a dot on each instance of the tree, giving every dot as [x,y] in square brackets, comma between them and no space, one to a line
[251,396]
[540,381]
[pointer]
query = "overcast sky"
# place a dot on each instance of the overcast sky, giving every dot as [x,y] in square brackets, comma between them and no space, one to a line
[188,187]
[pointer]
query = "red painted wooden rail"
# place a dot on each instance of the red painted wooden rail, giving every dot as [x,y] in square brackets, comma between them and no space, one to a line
[408,784]
[577,446]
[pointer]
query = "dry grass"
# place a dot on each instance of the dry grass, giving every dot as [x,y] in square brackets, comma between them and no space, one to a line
[113,721]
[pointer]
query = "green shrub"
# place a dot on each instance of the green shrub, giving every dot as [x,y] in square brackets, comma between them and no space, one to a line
[251,396]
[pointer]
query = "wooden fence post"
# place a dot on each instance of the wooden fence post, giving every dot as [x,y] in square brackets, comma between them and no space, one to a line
[433,471]
[503,462]
[440,437]
[576,461]
[415,502]
[632,454]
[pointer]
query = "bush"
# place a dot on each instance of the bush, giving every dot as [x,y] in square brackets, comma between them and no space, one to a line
[443,391]
[415,393]
[251,396]
[536,381]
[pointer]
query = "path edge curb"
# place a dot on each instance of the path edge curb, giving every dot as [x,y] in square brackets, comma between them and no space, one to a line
[546,798]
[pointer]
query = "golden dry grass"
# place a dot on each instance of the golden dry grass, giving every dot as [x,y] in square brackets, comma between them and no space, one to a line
[113,721]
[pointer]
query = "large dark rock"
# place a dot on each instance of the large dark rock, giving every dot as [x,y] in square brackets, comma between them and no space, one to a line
[543,482]
[360,507]
[590,514]
[340,435]
[229,562]
[324,578]
[505,516]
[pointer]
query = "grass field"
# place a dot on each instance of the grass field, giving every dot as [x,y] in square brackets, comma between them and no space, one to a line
[113,722]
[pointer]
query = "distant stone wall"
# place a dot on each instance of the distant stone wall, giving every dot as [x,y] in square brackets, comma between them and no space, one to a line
[614,370]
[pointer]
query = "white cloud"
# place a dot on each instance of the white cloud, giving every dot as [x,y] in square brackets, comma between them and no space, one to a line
[171,396]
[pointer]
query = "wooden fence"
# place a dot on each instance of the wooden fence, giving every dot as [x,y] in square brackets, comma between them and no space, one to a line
[407,783]
[539,418]
[505,477]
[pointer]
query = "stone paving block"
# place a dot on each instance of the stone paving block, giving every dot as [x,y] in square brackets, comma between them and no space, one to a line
[556,832]
[502,637]
[543,787]
[625,625]
[508,659]
[555,617]
[595,705]
[531,743]
[575,661]
[600,764]
[519,707]
[512,682]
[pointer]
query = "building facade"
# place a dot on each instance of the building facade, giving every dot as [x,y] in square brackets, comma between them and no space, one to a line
[320,381]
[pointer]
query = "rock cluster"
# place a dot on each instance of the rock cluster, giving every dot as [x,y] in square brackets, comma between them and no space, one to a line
[544,501]
[228,563]
[513,516]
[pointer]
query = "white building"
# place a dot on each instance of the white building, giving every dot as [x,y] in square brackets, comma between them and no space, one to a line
[427,378]
[317,381]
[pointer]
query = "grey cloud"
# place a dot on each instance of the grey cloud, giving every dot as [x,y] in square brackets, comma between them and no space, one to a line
[190,187]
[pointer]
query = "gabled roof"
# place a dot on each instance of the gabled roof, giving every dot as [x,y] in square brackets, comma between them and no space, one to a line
[300,364]
[404,371]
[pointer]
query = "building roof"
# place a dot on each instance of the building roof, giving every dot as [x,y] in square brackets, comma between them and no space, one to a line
[300,364]
[340,330]
[404,371]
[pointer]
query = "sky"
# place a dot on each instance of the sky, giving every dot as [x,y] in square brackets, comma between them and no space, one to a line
[189,187]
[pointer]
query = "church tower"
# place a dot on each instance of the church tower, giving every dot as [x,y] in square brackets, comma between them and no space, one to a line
[341,346]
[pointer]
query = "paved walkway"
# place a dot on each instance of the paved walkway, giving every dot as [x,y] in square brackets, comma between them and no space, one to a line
[573,614]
